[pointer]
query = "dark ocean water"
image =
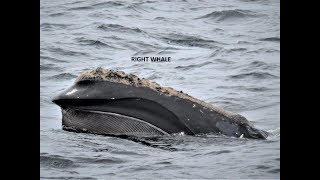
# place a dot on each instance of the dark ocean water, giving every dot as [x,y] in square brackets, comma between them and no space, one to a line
[225,52]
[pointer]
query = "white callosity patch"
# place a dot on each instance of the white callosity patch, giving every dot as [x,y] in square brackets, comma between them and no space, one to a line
[71,92]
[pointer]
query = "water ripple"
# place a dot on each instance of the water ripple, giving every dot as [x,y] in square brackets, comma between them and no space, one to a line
[229,15]
[189,41]
[192,66]
[62,76]
[255,75]
[119,28]
[273,39]
[56,161]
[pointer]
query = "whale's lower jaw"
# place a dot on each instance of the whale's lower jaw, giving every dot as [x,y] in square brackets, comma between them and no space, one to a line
[107,123]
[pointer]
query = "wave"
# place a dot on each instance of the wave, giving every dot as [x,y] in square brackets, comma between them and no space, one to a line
[273,39]
[90,42]
[263,50]
[153,77]
[189,41]
[141,52]
[57,14]
[111,160]
[218,152]
[245,88]
[245,42]
[263,167]
[275,132]
[274,171]
[255,75]
[168,50]
[224,61]
[108,4]
[55,26]
[55,161]
[119,28]
[67,177]
[75,2]
[81,8]
[192,66]
[260,65]
[51,59]
[146,46]
[160,142]
[114,38]
[200,8]
[49,67]
[229,14]
[159,18]
[63,76]
[256,64]
[144,2]
[85,41]
[235,50]
[253,0]
[65,52]
[216,52]
[136,7]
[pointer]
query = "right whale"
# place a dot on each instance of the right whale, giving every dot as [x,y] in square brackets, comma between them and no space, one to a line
[111,102]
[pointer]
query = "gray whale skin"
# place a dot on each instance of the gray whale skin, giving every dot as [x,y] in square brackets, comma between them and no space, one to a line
[111,102]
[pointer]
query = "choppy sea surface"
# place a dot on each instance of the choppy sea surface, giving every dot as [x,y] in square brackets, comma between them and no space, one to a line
[225,52]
